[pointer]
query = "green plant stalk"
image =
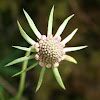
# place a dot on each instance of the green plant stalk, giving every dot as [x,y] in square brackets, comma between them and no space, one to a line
[22,78]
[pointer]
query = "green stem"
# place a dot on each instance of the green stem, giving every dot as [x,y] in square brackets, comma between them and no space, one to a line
[22,78]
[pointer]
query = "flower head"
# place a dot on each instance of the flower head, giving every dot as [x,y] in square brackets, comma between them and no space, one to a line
[49,51]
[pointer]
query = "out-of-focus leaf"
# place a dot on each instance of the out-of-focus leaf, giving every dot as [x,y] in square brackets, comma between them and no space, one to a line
[25,36]
[3,61]
[2,93]
[40,78]
[9,70]
[20,60]
[27,69]
[58,77]
[32,25]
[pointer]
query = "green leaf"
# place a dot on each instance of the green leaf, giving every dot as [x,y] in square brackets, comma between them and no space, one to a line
[27,69]
[68,49]
[58,77]
[32,25]
[69,37]
[50,22]
[69,58]
[20,60]
[63,25]
[40,78]
[25,36]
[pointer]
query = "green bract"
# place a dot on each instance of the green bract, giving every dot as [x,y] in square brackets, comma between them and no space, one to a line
[49,51]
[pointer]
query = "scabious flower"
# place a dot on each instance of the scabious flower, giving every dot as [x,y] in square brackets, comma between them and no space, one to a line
[49,51]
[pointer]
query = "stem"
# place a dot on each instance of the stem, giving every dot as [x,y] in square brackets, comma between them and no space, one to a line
[22,78]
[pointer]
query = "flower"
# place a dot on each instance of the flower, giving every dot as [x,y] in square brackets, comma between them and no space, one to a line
[49,51]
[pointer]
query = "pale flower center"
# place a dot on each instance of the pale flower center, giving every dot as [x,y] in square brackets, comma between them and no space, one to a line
[50,51]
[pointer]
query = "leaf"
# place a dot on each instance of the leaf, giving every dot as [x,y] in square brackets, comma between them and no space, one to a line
[50,22]
[32,25]
[69,58]
[40,78]
[20,60]
[68,49]
[63,25]
[27,69]
[69,37]
[25,36]
[58,77]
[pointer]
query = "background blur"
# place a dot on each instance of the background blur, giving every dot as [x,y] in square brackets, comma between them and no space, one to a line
[82,81]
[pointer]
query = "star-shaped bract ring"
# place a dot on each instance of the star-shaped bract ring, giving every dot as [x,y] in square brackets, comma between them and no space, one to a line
[49,51]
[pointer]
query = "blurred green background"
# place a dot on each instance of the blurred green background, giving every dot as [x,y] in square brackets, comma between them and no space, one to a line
[82,81]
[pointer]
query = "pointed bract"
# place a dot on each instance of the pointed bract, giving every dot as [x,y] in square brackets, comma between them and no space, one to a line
[58,77]
[27,69]
[69,37]
[22,48]
[63,25]
[70,59]
[40,78]
[32,25]
[25,36]
[50,22]
[21,59]
[31,49]
[68,49]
